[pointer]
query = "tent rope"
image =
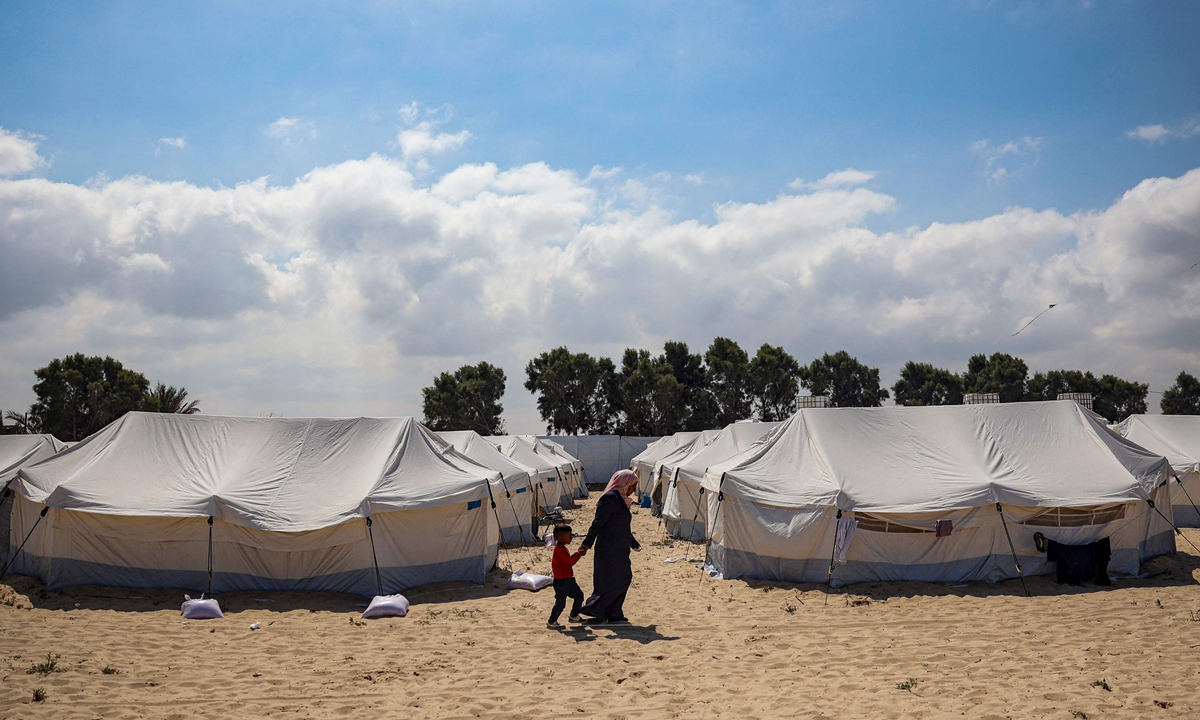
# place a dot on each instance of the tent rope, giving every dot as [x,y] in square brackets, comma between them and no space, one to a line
[712,525]
[1173,525]
[520,524]
[8,564]
[1013,549]
[374,558]
[499,526]
[1187,495]
[832,555]
[210,548]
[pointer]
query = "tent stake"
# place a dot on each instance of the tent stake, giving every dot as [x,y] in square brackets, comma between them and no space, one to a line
[22,547]
[832,554]
[210,528]
[1012,549]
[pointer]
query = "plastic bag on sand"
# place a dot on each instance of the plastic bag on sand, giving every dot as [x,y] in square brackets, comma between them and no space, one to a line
[521,580]
[200,609]
[386,606]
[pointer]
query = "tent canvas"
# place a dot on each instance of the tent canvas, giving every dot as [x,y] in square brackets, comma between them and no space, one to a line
[1177,438]
[646,462]
[685,510]
[1053,467]
[276,503]
[17,451]
[545,471]
[664,466]
[570,467]
[516,499]
[600,455]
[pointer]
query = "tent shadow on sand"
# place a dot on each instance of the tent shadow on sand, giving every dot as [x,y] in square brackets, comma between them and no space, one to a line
[1177,570]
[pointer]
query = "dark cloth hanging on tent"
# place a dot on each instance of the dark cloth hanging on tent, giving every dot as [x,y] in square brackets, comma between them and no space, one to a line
[1076,563]
[611,540]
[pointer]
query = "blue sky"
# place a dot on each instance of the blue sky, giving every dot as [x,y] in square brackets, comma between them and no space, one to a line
[453,182]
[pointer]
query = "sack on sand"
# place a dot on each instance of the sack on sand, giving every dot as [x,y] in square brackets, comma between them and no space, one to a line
[386,606]
[201,609]
[521,580]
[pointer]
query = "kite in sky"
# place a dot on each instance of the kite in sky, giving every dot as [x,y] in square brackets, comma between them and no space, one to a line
[1035,317]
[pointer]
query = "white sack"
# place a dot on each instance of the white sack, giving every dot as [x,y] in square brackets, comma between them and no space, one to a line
[522,580]
[386,606]
[201,609]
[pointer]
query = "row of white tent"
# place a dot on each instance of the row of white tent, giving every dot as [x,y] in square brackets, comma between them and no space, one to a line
[768,498]
[357,505]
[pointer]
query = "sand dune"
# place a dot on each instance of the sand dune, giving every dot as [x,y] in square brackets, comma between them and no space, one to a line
[699,648]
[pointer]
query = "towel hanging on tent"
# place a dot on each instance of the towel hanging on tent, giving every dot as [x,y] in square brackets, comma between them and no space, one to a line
[845,533]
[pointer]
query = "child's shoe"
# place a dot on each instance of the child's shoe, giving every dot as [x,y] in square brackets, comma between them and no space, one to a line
[575,619]
[555,626]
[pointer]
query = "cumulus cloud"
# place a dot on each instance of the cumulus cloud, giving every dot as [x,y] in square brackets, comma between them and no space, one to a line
[18,153]
[1161,133]
[1003,160]
[345,291]
[291,131]
[840,179]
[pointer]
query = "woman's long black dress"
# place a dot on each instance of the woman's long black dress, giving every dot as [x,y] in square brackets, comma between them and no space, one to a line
[611,540]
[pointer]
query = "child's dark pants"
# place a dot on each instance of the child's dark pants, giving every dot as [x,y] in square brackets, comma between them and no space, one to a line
[563,589]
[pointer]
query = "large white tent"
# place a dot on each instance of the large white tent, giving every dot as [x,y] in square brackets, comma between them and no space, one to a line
[159,500]
[516,499]
[17,451]
[685,509]
[1177,438]
[645,464]
[665,465]
[1051,467]
[544,470]
[570,479]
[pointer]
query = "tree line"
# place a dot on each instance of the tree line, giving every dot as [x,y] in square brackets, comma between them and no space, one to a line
[678,390]
[78,395]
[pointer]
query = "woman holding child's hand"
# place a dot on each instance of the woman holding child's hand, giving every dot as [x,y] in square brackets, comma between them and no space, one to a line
[610,534]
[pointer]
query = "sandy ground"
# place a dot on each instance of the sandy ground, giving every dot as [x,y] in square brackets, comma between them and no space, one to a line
[698,648]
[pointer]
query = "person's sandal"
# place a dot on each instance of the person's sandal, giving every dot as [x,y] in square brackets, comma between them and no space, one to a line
[555,626]
[576,619]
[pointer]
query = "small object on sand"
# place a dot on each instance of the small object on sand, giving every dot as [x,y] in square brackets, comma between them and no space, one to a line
[212,629]
[386,606]
[255,625]
[76,604]
[672,560]
[521,580]
[183,623]
[201,609]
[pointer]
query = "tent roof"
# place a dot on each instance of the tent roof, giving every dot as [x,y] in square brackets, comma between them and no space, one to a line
[732,440]
[469,443]
[554,449]
[517,450]
[684,449]
[279,474]
[657,451]
[17,451]
[1176,437]
[919,459]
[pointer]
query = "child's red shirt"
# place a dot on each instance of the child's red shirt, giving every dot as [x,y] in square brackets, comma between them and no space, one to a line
[562,562]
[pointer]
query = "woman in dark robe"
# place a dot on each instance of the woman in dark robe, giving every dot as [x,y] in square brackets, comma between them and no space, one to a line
[612,539]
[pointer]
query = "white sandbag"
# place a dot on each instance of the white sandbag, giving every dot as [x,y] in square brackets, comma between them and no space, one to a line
[521,580]
[201,609]
[386,606]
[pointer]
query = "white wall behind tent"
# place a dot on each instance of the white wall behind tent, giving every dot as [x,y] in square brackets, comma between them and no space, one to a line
[601,455]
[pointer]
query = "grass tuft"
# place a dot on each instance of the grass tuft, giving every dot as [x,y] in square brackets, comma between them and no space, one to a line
[110,670]
[908,684]
[50,665]
[39,694]
[1102,684]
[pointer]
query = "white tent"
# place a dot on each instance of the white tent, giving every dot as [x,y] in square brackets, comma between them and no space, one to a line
[516,500]
[645,464]
[600,455]
[570,470]
[157,500]
[684,511]
[665,465]
[544,471]
[1053,467]
[17,451]
[1177,438]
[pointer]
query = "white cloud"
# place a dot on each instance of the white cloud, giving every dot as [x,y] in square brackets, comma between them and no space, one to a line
[291,131]
[18,153]
[1003,160]
[840,179]
[178,143]
[423,139]
[345,291]
[1161,133]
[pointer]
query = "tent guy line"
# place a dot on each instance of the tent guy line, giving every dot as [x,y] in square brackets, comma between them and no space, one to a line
[1035,317]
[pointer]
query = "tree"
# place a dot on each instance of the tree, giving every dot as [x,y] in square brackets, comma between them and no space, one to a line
[650,399]
[22,424]
[700,407]
[468,399]
[78,395]
[774,383]
[1182,398]
[170,399]
[728,375]
[1112,397]
[572,391]
[924,384]
[846,381]
[1000,373]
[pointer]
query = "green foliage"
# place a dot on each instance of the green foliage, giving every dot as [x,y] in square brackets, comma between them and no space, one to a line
[78,395]
[170,399]
[110,670]
[1182,398]
[50,665]
[468,399]
[774,383]
[846,381]
[999,373]
[728,376]
[924,384]
[689,370]
[650,399]
[1112,397]
[573,391]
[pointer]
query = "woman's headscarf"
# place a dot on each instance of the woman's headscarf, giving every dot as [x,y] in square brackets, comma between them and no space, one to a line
[621,481]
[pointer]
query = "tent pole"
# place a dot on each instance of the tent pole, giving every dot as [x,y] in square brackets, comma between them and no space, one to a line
[713,524]
[1012,548]
[1173,525]
[3,497]
[1187,495]
[374,558]
[832,555]
[520,524]
[210,533]
[499,526]
[22,547]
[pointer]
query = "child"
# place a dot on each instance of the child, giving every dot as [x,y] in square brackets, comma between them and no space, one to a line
[564,577]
